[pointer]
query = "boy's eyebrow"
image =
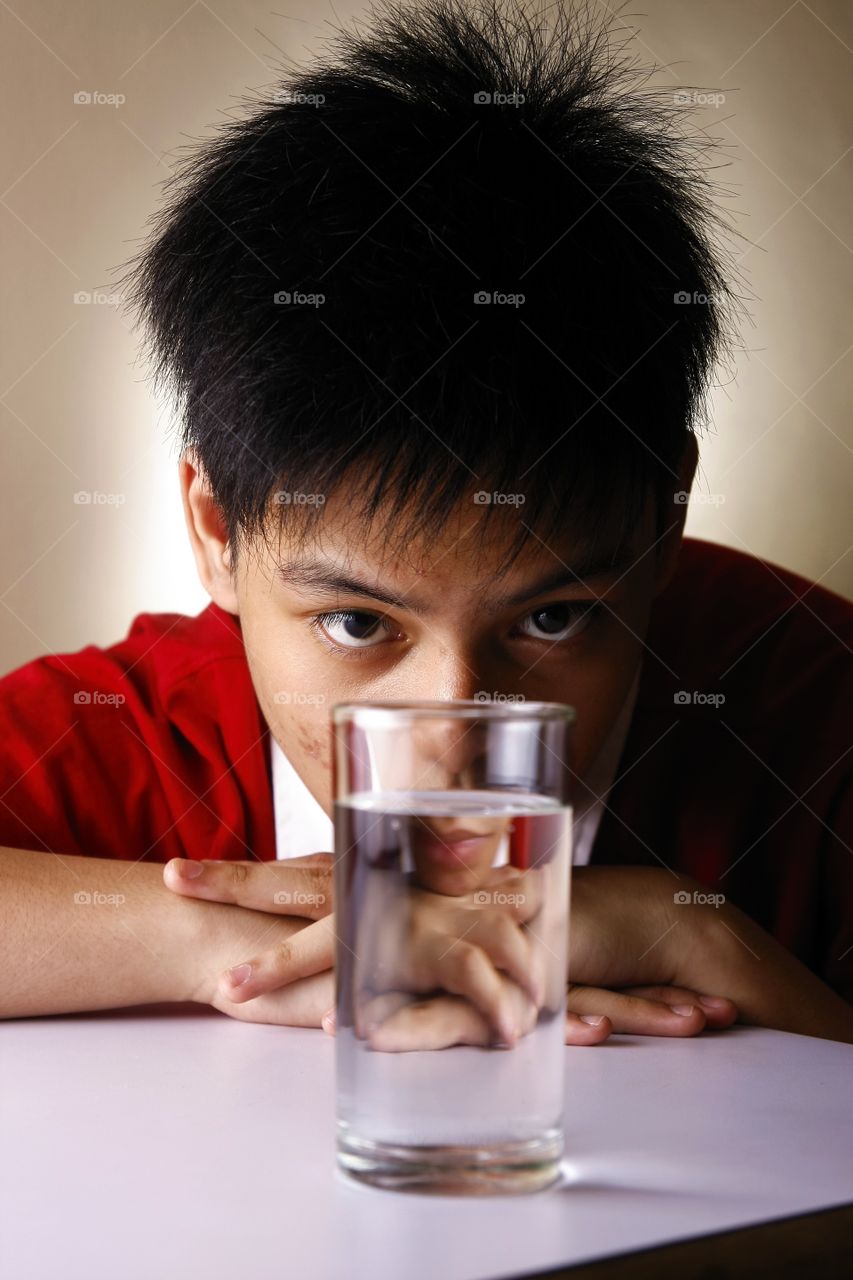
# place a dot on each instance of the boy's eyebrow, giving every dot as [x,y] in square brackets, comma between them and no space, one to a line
[321,576]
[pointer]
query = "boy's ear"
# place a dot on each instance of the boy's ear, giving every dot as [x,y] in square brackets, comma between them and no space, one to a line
[208,534]
[673,521]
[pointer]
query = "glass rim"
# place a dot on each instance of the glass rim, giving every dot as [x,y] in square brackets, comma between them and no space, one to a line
[456,708]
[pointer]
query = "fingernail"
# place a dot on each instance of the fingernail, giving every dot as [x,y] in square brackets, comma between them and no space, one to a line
[189,870]
[684,1009]
[239,974]
[594,1019]
[712,1002]
[328,1020]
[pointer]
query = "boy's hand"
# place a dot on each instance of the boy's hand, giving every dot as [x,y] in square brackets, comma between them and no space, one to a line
[472,946]
[439,941]
[274,904]
[633,925]
[428,948]
[396,1022]
[294,887]
[292,982]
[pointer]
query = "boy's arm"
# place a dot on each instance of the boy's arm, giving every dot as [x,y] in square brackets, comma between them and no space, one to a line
[633,948]
[769,985]
[630,931]
[81,933]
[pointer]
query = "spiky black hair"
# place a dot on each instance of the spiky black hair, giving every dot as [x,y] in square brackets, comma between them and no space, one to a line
[448,151]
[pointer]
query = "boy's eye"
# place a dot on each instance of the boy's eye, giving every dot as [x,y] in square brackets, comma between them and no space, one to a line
[358,629]
[352,628]
[559,621]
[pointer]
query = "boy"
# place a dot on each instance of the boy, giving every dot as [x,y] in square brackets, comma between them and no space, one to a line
[439,388]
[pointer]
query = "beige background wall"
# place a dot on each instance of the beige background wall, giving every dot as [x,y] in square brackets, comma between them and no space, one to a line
[79,182]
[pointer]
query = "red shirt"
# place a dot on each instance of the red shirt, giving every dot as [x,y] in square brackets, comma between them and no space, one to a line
[156,747]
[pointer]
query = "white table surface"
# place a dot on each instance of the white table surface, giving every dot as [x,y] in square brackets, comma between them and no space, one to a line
[176,1142]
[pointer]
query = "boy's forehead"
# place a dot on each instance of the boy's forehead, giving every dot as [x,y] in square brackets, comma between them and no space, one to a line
[469,551]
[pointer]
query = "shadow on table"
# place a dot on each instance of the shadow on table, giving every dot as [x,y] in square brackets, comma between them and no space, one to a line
[146,1011]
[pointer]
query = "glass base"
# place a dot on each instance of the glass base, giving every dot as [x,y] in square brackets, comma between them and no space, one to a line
[494,1169]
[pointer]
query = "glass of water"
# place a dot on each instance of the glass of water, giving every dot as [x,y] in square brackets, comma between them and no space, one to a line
[451,897]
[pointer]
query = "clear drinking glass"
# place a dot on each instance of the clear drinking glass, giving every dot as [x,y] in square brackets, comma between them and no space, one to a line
[451,896]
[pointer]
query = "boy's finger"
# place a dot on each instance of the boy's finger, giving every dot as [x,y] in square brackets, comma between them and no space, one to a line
[528,888]
[519,893]
[310,951]
[464,969]
[509,949]
[372,1012]
[437,1023]
[294,886]
[718,1011]
[302,1004]
[591,1029]
[636,1015]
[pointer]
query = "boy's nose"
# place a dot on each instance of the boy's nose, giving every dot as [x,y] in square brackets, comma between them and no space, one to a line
[449,747]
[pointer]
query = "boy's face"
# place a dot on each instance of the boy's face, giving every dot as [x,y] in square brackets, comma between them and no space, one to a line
[458,635]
